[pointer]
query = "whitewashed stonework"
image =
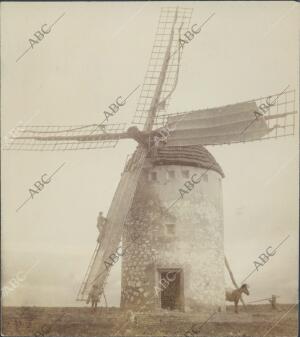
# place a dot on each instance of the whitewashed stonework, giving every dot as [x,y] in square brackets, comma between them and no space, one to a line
[187,237]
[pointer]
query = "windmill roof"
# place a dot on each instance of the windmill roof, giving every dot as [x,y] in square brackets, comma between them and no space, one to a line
[193,155]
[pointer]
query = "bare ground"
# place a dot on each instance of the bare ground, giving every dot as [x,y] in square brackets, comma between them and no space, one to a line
[42,321]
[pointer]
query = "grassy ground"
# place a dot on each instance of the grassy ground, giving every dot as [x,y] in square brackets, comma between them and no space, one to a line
[37,321]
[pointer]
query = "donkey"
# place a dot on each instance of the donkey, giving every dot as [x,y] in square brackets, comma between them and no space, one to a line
[235,295]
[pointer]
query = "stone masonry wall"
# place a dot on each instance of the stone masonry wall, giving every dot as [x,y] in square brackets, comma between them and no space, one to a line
[195,247]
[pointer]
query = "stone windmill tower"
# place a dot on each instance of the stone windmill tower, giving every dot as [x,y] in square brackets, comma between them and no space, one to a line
[180,233]
[167,209]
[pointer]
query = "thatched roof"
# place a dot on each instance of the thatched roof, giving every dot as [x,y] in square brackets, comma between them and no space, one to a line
[194,155]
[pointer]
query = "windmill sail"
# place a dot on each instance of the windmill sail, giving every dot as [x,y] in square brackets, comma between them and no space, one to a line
[166,54]
[240,122]
[98,270]
[62,138]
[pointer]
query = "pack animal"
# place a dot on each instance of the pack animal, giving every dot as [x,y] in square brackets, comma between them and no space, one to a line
[235,295]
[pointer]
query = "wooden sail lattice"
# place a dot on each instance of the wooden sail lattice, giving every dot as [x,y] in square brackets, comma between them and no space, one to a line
[62,138]
[173,22]
[98,271]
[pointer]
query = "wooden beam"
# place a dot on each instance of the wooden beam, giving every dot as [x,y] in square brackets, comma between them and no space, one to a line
[232,278]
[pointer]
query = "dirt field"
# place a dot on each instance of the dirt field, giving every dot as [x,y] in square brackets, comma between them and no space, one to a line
[39,321]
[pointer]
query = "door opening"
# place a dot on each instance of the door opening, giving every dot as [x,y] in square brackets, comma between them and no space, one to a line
[171,293]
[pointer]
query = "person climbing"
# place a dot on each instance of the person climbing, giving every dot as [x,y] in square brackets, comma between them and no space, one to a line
[94,297]
[101,222]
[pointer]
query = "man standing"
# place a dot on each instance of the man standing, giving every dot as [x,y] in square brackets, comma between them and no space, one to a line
[94,297]
[273,302]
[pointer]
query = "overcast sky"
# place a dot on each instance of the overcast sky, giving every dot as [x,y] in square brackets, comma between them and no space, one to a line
[99,51]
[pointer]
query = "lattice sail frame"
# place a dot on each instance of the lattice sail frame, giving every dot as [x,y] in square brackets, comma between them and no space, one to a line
[173,22]
[62,138]
[98,272]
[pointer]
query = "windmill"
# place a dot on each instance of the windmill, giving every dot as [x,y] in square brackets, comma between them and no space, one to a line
[257,119]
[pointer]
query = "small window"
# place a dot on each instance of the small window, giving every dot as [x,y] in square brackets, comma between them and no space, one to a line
[171,174]
[170,227]
[186,174]
[153,176]
[205,177]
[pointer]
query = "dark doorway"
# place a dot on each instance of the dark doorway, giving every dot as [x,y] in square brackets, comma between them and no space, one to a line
[170,294]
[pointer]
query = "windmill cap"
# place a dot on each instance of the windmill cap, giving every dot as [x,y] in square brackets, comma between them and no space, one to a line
[193,155]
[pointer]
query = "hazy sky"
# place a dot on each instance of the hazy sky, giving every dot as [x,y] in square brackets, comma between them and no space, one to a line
[99,51]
